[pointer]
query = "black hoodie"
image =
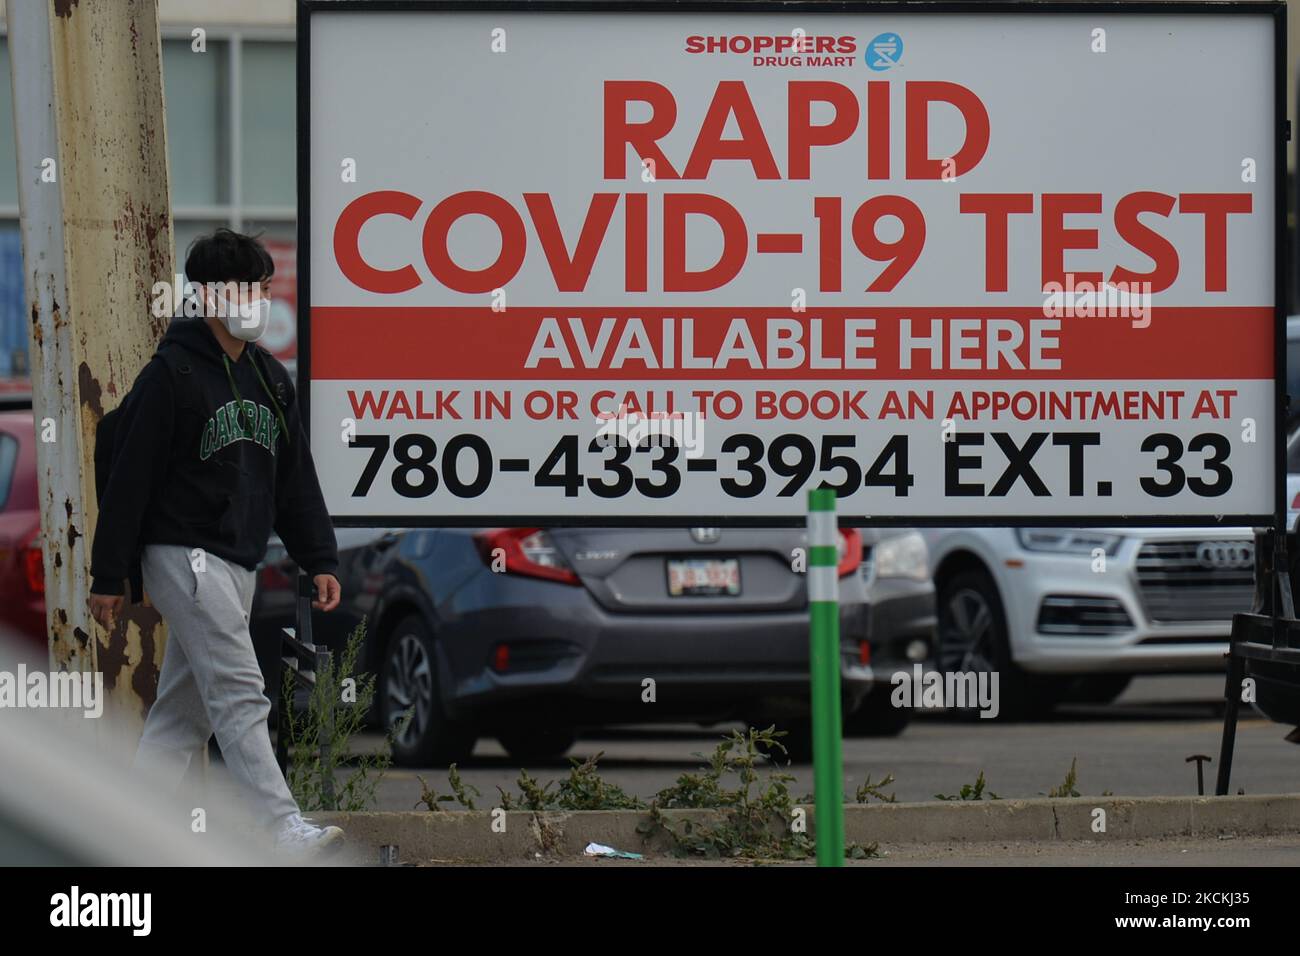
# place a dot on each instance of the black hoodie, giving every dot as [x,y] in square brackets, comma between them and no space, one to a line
[189,469]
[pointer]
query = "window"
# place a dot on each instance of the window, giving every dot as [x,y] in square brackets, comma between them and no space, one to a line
[8,458]
[231,122]
[8,151]
[268,147]
[231,142]
[232,154]
[193,89]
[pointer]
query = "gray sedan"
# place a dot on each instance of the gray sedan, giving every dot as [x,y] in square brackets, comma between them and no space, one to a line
[528,634]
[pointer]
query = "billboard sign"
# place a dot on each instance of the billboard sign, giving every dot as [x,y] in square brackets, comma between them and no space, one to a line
[674,262]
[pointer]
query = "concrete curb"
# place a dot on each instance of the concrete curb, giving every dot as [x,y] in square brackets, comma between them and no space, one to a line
[471,836]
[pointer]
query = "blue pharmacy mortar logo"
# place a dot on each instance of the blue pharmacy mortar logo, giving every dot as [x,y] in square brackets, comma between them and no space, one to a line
[884,51]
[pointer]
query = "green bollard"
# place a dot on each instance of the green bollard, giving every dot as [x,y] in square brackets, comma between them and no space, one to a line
[824,616]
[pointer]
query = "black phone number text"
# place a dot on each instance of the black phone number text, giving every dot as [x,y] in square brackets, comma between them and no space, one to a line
[610,467]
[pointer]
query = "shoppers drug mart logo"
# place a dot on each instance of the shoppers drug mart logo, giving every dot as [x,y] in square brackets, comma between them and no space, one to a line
[884,51]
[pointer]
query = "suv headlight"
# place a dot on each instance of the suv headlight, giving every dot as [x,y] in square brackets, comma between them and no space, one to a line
[902,556]
[1068,540]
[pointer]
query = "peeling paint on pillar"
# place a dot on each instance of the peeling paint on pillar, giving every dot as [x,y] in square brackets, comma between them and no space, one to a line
[94,244]
[91,393]
[151,639]
[138,629]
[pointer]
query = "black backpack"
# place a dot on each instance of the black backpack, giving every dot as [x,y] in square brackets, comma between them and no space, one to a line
[173,356]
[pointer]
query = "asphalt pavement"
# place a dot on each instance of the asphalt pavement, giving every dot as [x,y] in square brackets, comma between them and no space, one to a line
[1135,747]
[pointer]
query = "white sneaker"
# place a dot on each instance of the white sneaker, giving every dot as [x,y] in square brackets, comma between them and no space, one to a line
[297,836]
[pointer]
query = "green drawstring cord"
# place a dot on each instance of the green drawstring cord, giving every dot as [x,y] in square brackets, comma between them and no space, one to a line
[284,426]
[239,399]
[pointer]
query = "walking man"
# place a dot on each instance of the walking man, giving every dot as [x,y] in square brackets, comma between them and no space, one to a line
[208,456]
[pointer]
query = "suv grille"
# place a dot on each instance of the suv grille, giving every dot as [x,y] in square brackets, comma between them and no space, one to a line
[1206,579]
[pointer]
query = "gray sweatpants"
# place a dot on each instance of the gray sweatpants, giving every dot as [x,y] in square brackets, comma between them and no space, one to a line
[210,680]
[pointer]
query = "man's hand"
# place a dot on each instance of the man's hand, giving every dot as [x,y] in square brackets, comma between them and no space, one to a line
[105,607]
[328,592]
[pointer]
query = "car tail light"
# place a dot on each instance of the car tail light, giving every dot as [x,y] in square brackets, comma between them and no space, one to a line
[34,567]
[526,551]
[850,549]
[864,652]
[1295,502]
[501,658]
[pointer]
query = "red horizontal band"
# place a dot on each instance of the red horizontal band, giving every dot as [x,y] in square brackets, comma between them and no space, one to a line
[457,344]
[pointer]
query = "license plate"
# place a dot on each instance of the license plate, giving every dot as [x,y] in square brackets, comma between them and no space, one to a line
[703,576]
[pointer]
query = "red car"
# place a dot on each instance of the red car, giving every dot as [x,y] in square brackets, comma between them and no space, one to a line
[22,576]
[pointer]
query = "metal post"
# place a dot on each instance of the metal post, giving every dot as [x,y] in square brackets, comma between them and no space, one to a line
[312,665]
[824,615]
[298,655]
[1232,704]
[1264,601]
[323,667]
[323,673]
[283,708]
[281,725]
[97,236]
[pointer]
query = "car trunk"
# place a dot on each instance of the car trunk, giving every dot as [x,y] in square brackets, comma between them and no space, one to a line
[721,570]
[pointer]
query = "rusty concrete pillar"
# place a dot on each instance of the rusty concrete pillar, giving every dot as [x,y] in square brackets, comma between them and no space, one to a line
[97,236]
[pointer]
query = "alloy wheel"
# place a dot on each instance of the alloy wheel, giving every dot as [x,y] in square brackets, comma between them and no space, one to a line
[409,682]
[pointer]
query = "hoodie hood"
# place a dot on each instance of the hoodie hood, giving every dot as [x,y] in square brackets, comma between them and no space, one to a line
[198,339]
[193,333]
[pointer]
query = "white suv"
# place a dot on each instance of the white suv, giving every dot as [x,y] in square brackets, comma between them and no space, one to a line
[1071,612]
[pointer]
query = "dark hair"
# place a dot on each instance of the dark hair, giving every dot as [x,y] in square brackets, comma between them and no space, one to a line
[228,256]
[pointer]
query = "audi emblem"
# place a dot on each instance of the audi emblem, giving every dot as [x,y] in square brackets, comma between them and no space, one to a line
[1222,555]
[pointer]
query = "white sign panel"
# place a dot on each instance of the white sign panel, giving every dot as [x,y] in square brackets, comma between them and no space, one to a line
[970,266]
